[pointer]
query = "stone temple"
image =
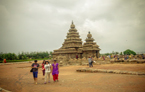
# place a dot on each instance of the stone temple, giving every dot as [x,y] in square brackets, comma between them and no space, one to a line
[73,48]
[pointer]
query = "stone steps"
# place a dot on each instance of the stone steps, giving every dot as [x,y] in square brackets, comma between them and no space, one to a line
[109,71]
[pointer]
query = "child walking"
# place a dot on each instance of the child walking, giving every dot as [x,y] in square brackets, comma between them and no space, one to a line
[55,70]
[47,67]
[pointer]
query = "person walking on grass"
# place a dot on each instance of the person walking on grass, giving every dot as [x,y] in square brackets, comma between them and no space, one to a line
[55,71]
[35,67]
[43,70]
[47,67]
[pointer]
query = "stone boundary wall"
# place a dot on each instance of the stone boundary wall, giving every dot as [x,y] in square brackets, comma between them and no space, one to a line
[99,62]
[4,90]
[83,62]
[128,61]
[109,71]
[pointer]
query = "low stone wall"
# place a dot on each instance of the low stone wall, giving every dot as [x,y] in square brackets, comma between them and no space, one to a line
[128,61]
[109,71]
[4,90]
[101,62]
[85,62]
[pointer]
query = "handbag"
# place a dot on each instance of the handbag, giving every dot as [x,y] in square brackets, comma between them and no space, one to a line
[91,61]
[31,70]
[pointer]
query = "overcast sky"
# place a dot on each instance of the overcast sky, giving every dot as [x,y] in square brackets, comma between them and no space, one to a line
[42,25]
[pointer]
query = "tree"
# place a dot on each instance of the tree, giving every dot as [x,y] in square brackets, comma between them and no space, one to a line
[116,52]
[107,54]
[113,52]
[128,52]
[120,53]
[50,53]
[1,58]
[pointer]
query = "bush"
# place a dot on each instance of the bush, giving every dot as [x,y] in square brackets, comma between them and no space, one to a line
[129,52]
[24,55]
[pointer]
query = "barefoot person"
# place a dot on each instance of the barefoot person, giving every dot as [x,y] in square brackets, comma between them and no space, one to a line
[43,70]
[35,67]
[47,67]
[55,70]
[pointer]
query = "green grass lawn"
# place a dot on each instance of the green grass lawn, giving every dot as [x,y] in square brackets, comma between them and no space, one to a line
[8,61]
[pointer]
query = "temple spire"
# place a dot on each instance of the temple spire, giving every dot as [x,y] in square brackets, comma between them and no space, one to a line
[72,25]
[72,22]
[89,35]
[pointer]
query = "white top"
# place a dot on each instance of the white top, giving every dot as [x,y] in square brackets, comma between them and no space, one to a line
[47,67]
[90,60]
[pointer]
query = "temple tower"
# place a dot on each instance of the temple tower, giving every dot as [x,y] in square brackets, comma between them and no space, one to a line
[72,45]
[90,48]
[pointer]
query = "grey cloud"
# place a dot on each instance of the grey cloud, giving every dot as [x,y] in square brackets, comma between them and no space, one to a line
[40,25]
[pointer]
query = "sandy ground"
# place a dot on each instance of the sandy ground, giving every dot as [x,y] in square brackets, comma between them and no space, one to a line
[17,78]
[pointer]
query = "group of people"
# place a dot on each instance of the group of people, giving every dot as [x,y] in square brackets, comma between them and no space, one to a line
[47,69]
[142,56]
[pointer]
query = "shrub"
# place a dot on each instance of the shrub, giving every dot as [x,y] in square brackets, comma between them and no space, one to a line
[128,52]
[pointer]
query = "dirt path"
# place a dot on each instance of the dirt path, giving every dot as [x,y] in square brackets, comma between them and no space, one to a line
[17,78]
